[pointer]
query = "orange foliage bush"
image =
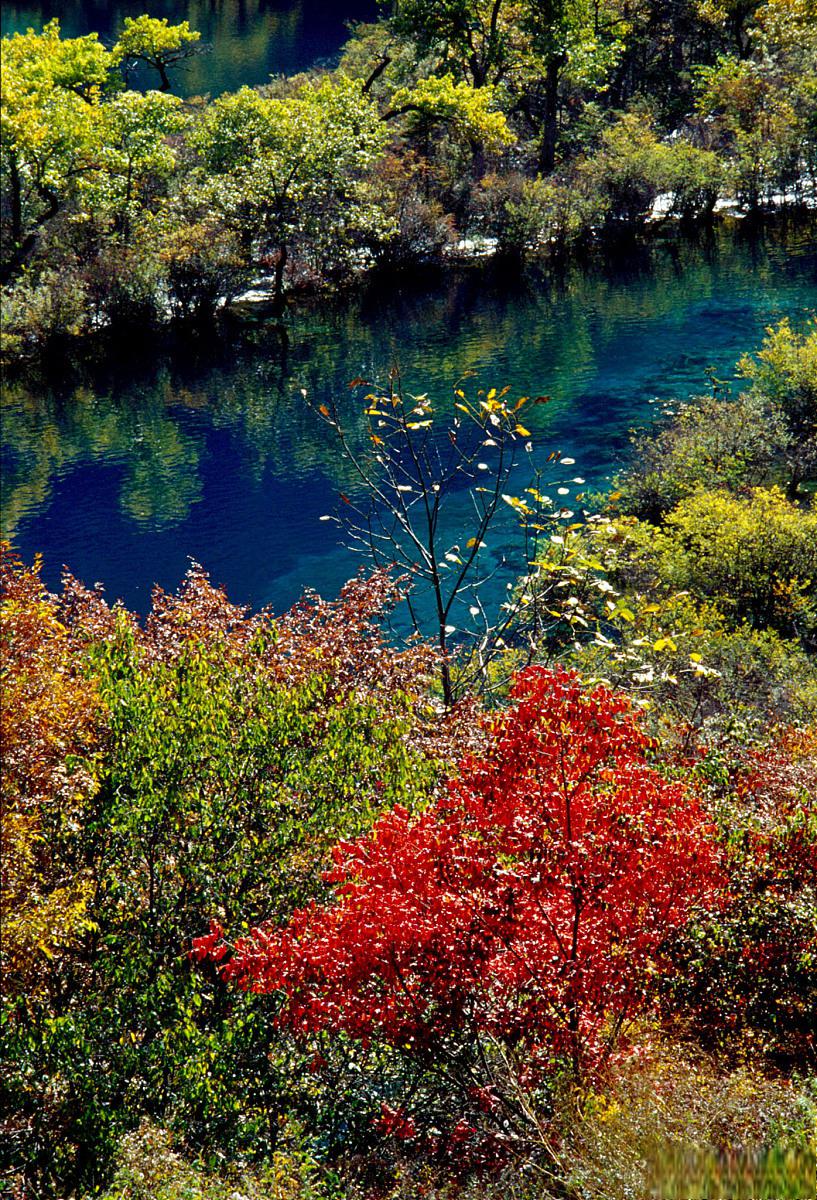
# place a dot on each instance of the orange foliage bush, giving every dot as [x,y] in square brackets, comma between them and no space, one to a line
[49,725]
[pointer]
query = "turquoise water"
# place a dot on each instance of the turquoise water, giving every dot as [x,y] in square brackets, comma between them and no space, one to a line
[245,41]
[213,453]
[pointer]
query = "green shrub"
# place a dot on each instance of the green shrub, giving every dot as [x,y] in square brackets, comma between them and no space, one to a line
[744,979]
[694,177]
[784,379]
[754,555]
[233,753]
[151,1166]
[628,171]
[705,678]
[123,285]
[712,443]
[534,216]
[415,227]
[45,315]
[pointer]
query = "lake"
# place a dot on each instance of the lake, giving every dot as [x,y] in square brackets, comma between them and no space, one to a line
[213,453]
[246,41]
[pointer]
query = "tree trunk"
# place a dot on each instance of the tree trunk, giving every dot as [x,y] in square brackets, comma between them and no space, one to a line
[550,125]
[25,248]
[16,202]
[445,675]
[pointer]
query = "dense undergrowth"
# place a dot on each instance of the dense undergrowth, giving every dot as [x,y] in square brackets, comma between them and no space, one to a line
[446,127]
[279,923]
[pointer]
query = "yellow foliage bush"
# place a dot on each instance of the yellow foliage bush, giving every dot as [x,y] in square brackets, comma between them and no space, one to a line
[48,723]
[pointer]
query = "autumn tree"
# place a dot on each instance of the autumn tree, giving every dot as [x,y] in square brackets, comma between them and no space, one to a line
[415,461]
[515,925]
[157,44]
[51,130]
[50,719]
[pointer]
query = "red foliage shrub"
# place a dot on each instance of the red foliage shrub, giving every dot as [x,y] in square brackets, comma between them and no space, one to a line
[527,908]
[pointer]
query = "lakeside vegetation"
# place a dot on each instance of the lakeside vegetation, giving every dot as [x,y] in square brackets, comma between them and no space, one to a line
[523,905]
[390,1000]
[446,127]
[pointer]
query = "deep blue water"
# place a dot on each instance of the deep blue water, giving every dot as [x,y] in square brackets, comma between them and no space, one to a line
[246,40]
[215,455]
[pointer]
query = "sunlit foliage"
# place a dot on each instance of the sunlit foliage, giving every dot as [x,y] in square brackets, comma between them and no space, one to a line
[516,925]
[155,43]
[543,127]
[50,736]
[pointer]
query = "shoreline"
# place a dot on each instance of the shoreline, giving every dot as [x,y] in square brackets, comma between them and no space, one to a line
[254,308]
[480,248]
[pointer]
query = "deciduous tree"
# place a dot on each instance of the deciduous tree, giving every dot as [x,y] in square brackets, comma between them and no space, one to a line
[522,917]
[290,169]
[156,43]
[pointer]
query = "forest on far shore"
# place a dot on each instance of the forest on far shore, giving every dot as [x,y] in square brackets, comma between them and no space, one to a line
[535,130]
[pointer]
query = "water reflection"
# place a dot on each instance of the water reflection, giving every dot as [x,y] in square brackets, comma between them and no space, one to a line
[46,436]
[218,456]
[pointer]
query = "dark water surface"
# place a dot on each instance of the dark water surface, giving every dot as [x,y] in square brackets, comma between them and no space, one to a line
[216,456]
[246,40]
